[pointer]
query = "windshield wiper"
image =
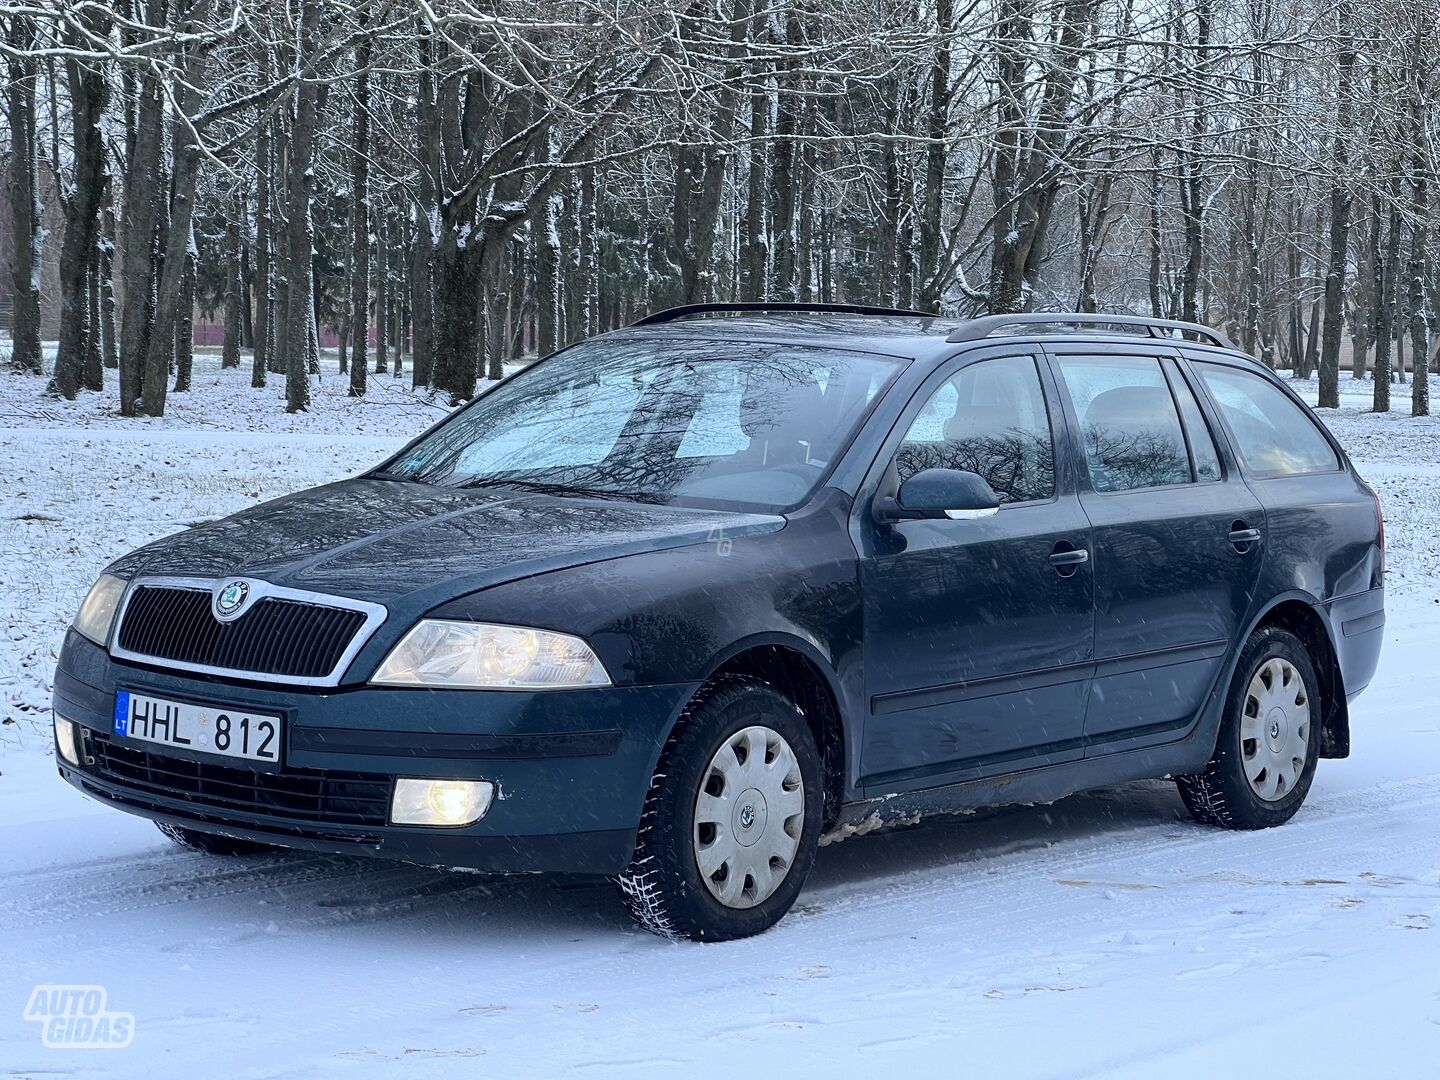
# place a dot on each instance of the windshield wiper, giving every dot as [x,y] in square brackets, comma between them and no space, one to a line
[540,487]
[537,486]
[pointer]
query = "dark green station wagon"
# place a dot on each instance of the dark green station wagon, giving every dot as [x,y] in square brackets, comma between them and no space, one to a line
[671,604]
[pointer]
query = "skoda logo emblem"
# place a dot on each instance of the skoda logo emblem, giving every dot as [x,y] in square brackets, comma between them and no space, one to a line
[747,816]
[230,599]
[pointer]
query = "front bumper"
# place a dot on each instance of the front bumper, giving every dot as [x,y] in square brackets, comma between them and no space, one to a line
[571,768]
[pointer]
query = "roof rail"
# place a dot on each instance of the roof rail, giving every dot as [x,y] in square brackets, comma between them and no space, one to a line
[983,327]
[686,311]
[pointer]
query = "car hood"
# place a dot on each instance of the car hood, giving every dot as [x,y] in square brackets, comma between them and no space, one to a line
[380,540]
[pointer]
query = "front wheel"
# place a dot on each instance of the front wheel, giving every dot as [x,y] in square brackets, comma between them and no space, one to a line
[732,818]
[1269,740]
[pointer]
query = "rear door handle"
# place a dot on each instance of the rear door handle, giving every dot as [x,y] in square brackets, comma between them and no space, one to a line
[1070,558]
[1243,537]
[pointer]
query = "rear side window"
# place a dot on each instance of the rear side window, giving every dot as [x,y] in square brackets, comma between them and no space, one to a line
[1128,421]
[988,418]
[1272,434]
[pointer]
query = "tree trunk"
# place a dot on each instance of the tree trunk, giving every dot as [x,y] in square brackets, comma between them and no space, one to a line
[784,170]
[1374,269]
[1340,203]
[144,185]
[1420,264]
[457,339]
[300,234]
[234,283]
[382,296]
[185,323]
[1192,187]
[109,346]
[427,218]
[82,212]
[180,239]
[753,247]
[547,284]
[360,233]
[25,206]
[264,246]
[1385,313]
[1311,356]
[1006,280]
[93,375]
[342,332]
[937,124]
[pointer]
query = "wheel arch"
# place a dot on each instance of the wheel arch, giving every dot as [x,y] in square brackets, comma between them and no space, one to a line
[1303,616]
[804,674]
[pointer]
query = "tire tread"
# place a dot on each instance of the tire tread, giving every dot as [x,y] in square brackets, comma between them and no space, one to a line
[1219,795]
[647,887]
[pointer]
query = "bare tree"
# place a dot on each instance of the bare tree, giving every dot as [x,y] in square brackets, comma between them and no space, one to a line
[25,210]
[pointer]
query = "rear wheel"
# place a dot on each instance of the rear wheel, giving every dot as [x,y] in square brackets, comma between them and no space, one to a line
[212,843]
[732,818]
[1269,740]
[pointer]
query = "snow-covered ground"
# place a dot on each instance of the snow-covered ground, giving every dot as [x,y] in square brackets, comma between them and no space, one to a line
[1101,936]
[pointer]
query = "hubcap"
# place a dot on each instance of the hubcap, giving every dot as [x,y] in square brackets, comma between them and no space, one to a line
[749,814]
[1275,729]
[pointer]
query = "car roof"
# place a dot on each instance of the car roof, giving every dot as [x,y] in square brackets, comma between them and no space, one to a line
[912,335]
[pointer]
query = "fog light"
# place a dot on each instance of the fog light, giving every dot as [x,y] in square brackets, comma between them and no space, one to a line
[440,802]
[67,739]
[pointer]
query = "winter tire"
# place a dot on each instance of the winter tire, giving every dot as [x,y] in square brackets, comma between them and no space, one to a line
[732,817]
[1269,739]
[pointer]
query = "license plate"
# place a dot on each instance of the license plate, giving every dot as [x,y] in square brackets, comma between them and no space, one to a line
[208,729]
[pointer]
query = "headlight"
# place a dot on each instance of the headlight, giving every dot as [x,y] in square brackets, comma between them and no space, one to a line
[97,613]
[460,655]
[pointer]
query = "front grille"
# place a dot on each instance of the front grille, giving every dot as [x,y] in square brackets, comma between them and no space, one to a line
[275,636]
[320,795]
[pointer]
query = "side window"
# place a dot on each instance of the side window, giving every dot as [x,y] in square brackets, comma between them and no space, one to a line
[1203,456]
[988,418]
[1272,434]
[1128,421]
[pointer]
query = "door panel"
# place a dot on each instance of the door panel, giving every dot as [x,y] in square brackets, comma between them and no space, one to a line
[1170,593]
[1171,586]
[977,648]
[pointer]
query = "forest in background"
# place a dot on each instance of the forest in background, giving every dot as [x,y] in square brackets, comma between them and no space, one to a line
[450,185]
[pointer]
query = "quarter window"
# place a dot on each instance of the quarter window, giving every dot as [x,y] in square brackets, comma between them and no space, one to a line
[989,418]
[1203,456]
[1272,434]
[1128,421]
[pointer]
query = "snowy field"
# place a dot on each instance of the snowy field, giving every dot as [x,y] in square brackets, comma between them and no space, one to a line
[1101,936]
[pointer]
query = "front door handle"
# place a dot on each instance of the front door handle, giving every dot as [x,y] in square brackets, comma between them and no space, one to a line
[1066,559]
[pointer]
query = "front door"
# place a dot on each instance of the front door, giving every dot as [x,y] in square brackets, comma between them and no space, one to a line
[977,632]
[1174,570]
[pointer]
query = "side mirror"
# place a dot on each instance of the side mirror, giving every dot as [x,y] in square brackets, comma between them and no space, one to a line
[942,493]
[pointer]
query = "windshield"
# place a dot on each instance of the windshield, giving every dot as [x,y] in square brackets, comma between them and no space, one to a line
[695,422]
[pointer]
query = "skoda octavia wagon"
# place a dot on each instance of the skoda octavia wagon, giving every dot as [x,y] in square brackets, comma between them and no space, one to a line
[670,605]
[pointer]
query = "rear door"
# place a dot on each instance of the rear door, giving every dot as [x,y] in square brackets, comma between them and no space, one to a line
[1176,537]
[977,638]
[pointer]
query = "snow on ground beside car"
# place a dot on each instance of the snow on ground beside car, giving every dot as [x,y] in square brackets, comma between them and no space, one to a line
[1104,935]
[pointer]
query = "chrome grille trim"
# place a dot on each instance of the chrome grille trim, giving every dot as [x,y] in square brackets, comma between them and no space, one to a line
[375,615]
